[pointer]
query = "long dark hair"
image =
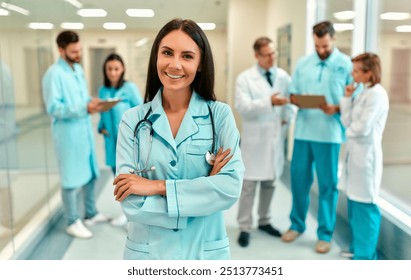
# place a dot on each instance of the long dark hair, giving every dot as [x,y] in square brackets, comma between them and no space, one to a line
[121,81]
[203,82]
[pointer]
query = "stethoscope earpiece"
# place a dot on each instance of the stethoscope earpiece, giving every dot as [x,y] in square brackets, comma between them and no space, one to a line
[210,158]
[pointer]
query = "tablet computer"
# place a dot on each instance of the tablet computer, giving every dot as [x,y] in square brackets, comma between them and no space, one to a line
[107,104]
[307,101]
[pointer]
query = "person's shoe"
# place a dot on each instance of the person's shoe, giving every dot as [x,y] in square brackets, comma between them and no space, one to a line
[346,254]
[270,230]
[98,218]
[77,229]
[244,239]
[322,247]
[290,235]
[119,221]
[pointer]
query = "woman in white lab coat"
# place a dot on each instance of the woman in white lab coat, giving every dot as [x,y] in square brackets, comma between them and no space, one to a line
[173,205]
[364,117]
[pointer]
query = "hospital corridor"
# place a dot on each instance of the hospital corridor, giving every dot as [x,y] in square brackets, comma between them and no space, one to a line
[243,37]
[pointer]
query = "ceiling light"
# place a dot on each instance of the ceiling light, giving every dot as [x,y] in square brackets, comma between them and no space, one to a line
[92,13]
[15,8]
[403,28]
[141,42]
[115,25]
[207,25]
[72,25]
[4,12]
[41,25]
[75,3]
[340,27]
[395,16]
[140,12]
[344,15]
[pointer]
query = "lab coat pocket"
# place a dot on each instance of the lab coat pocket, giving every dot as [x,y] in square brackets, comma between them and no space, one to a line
[196,163]
[216,250]
[136,251]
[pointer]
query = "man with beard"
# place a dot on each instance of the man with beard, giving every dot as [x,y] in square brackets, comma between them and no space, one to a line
[69,104]
[318,135]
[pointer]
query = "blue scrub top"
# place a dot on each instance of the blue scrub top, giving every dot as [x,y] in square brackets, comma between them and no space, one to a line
[321,77]
[130,96]
[66,97]
[188,222]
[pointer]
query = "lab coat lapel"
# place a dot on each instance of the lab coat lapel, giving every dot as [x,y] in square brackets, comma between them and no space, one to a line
[188,127]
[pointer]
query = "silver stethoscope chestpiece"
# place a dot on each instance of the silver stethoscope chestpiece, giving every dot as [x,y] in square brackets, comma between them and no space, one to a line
[210,158]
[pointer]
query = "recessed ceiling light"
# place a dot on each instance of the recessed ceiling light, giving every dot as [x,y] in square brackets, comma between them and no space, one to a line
[15,8]
[141,42]
[4,12]
[72,25]
[340,27]
[41,25]
[92,13]
[344,15]
[75,3]
[403,28]
[207,25]
[394,16]
[114,25]
[140,12]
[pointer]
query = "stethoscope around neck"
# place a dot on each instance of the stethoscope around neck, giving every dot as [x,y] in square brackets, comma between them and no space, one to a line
[209,155]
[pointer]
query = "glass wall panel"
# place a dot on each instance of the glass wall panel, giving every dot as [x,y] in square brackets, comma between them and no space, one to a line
[394,48]
[341,14]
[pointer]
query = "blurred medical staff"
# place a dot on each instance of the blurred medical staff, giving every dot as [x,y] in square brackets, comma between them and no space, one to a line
[364,117]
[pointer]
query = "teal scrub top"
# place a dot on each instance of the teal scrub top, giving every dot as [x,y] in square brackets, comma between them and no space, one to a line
[130,96]
[66,97]
[188,222]
[321,77]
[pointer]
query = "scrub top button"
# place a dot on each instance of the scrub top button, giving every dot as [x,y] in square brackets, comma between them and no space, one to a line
[173,163]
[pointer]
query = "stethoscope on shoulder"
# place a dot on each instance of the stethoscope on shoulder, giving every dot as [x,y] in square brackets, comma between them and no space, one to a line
[145,122]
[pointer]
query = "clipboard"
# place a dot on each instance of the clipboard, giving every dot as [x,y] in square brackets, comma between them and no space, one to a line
[309,101]
[109,103]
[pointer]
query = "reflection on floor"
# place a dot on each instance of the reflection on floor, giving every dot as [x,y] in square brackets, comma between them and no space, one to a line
[108,241]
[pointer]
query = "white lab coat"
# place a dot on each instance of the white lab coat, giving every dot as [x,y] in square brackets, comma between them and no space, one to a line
[262,141]
[364,118]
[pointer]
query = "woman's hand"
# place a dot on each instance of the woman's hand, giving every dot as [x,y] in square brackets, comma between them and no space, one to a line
[349,90]
[127,184]
[221,159]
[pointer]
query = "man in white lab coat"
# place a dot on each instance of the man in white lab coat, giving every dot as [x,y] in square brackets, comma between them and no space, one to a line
[261,92]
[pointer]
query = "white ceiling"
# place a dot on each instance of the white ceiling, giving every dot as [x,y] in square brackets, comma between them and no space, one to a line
[57,11]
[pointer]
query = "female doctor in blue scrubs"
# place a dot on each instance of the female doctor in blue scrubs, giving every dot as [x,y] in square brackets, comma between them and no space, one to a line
[174,201]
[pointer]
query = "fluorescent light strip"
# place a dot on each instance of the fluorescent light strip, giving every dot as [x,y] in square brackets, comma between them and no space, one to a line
[41,25]
[141,42]
[140,12]
[344,15]
[207,25]
[4,12]
[340,27]
[75,3]
[15,8]
[394,16]
[114,25]
[72,25]
[92,13]
[403,28]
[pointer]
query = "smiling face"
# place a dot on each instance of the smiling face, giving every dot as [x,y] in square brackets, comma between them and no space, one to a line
[358,74]
[178,60]
[114,69]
